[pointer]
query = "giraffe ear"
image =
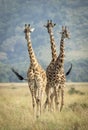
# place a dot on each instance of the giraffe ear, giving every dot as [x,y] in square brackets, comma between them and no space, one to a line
[25,25]
[66,28]
[32,29]
[50,21]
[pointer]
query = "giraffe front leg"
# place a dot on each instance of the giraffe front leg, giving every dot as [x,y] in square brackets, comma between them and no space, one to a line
[62,98]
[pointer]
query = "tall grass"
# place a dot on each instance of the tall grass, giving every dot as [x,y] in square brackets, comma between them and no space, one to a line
[16,110]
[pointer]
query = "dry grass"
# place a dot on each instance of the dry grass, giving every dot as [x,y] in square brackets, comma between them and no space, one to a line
[16,109]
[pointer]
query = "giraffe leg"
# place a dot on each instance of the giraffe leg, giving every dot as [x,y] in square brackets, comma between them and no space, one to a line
[47,100]
[56,102]
[62,97]
[51,98]
[45,104]
[41,96]
[57,96]
[39,100]
[33,101]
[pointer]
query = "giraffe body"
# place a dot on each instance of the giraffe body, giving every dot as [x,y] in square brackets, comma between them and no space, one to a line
[36,75]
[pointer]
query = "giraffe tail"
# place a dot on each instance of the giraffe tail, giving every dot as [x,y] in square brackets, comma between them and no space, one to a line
[18,75]
[68,72]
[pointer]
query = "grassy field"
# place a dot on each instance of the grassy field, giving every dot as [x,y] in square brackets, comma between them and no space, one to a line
[16,109]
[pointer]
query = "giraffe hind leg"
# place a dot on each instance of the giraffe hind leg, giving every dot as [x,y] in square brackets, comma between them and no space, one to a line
[47,101]
[52,104]
[38,101]
[62,98]
[57,97]
[33,103]
[45,104]
[38,107]
[33,100]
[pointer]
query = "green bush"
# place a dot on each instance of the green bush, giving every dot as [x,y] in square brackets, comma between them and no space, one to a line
[74,91]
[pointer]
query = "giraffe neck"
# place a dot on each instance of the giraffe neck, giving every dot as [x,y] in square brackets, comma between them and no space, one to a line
[53,46]
[60,59]
[33,60]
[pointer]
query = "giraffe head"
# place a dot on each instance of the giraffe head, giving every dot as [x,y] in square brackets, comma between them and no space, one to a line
[28,30]
[49,25]
[65,33]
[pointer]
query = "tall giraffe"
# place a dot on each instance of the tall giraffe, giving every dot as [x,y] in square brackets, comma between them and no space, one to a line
[36,75]
[60,78]
[50,67]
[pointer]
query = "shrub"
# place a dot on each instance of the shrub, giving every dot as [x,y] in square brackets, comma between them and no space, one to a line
[74,91]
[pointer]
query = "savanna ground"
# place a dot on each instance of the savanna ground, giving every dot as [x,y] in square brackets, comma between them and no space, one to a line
[16,109]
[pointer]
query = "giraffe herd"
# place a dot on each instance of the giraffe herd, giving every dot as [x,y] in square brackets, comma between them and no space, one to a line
[52,81]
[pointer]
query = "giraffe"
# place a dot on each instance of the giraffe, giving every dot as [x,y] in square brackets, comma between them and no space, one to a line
[36,75]
[60,77]
[56,78]
[50,25]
